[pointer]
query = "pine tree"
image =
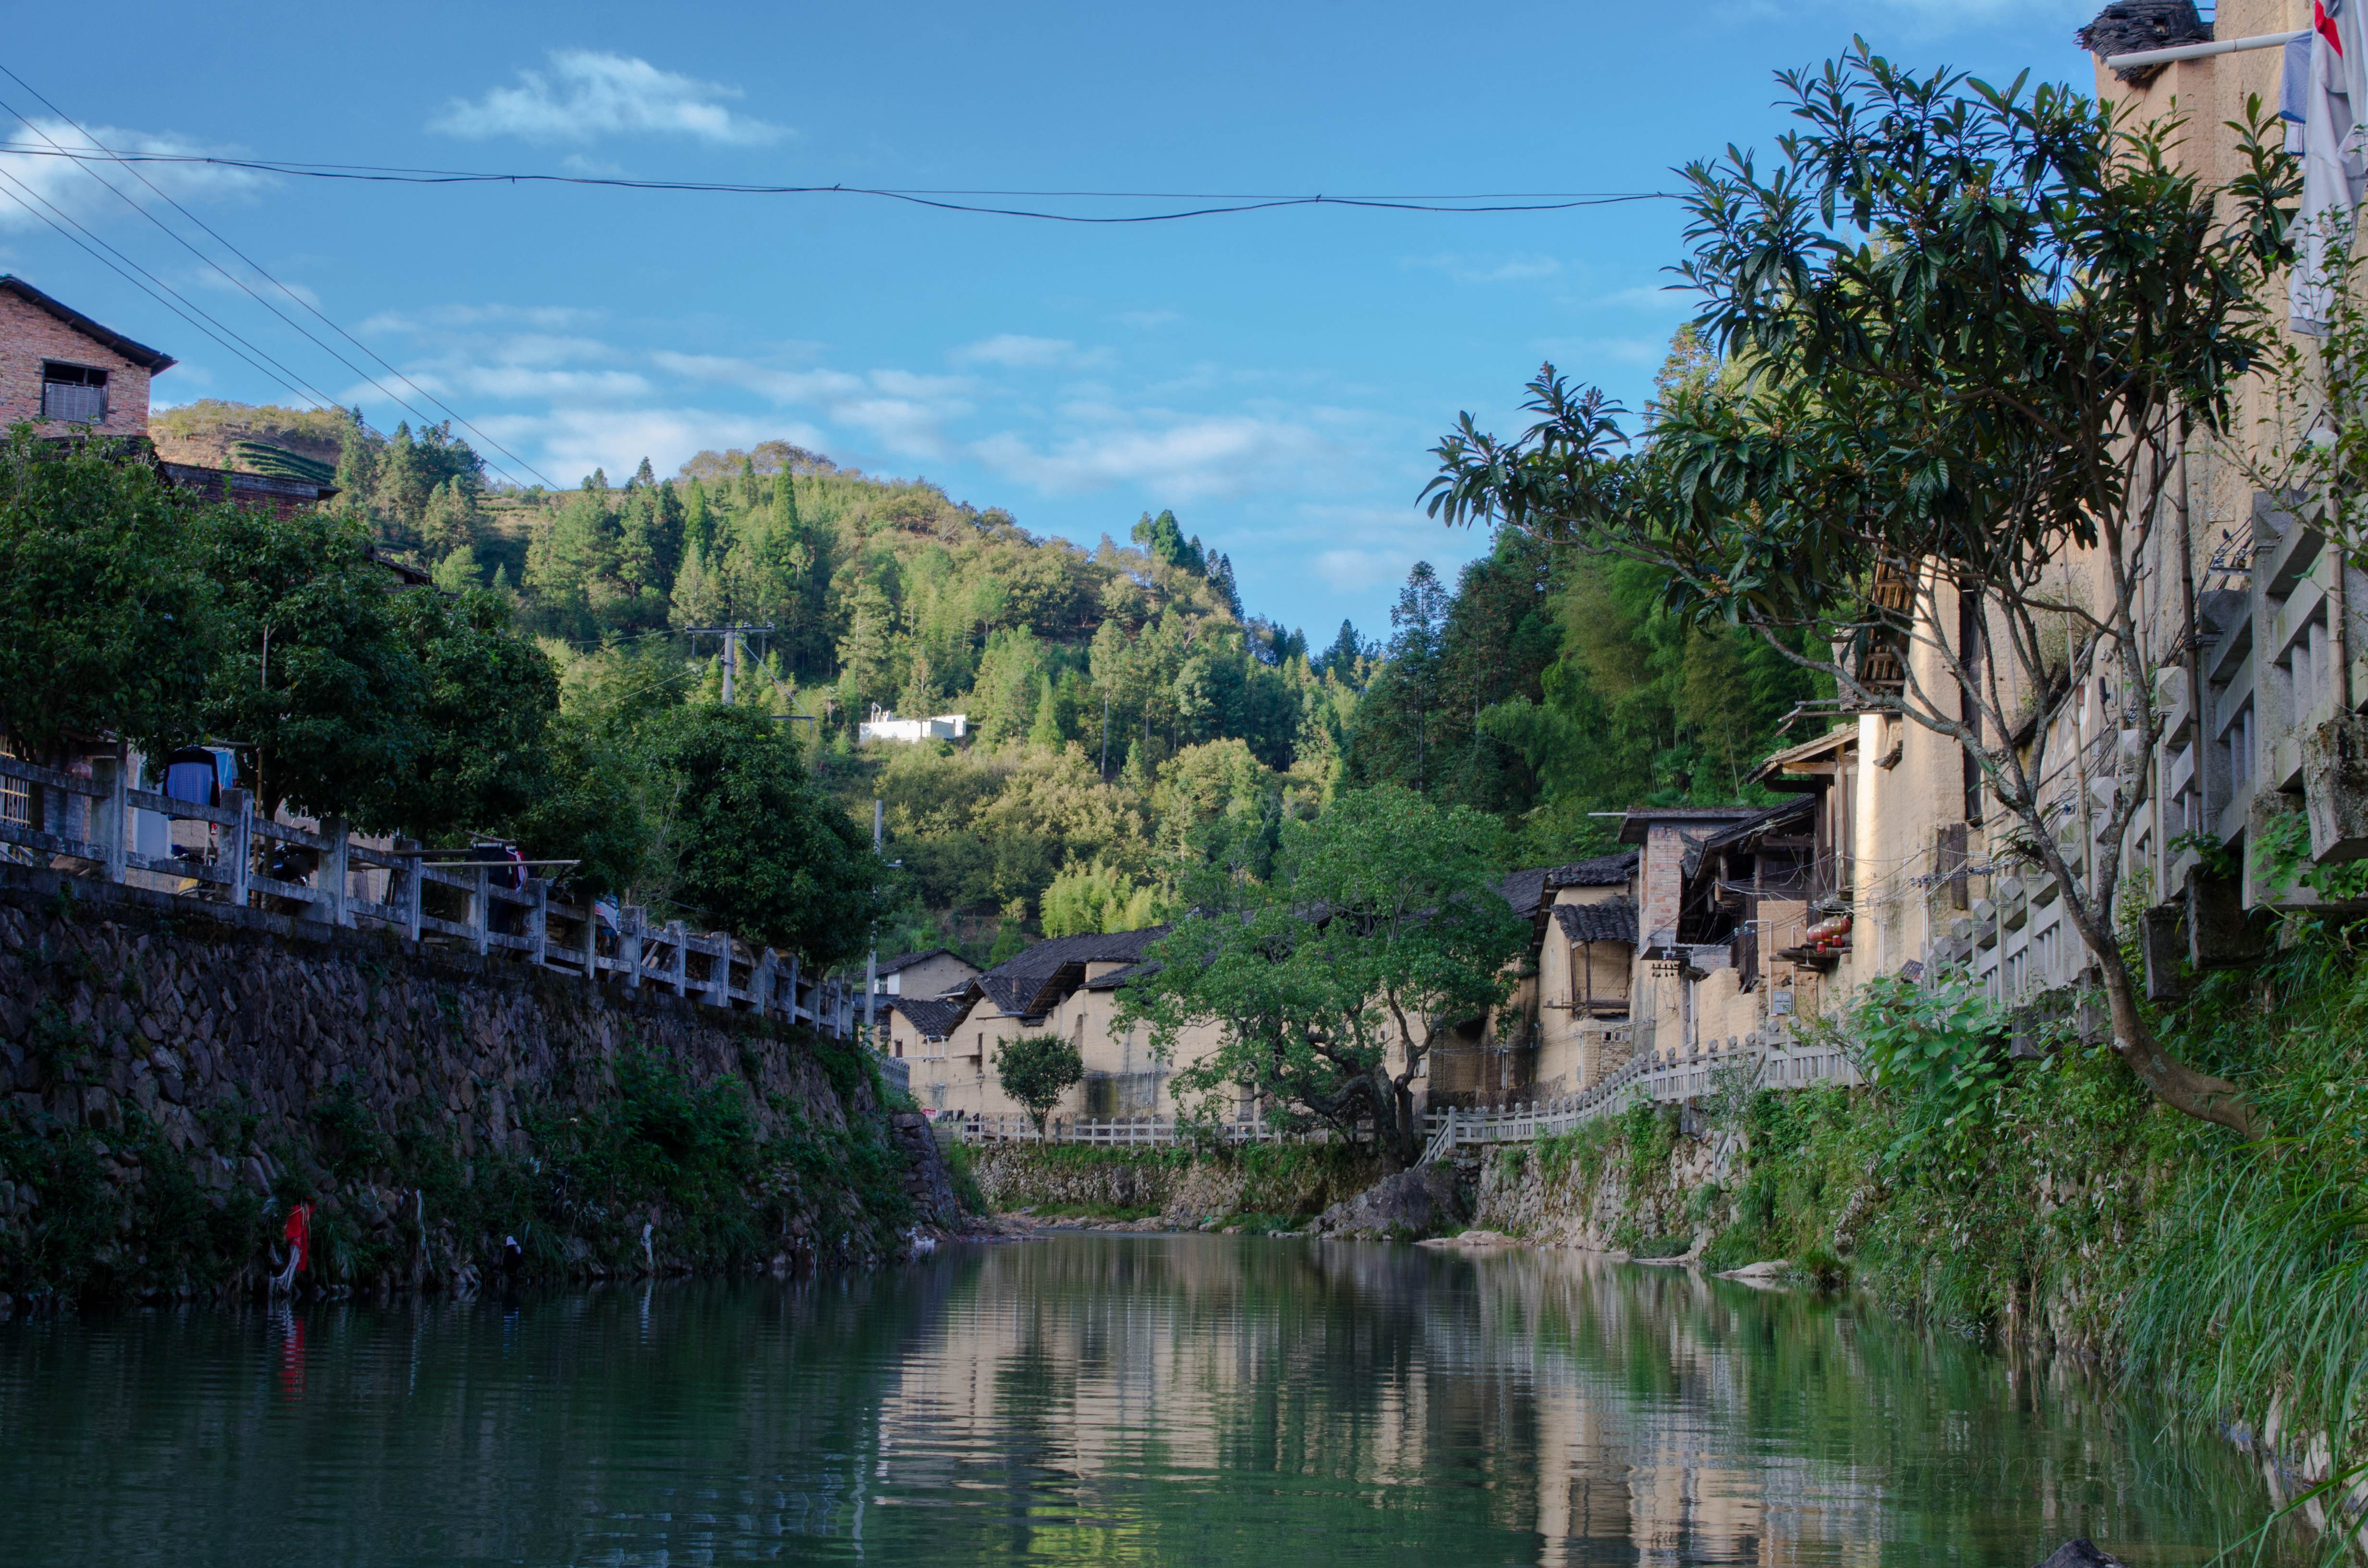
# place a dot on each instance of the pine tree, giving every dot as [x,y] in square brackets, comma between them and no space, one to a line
[697,522]
[920,689]
[785,503]
[1341,661]
[696,602]
[1046,731]
[449,521]
[645,477]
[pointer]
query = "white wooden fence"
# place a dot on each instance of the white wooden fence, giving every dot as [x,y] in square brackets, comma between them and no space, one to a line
[90,821]
[1663,1076]
[1009,1126]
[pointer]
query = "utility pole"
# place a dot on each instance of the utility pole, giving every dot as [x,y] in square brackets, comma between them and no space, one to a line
[731,635]
[871,960]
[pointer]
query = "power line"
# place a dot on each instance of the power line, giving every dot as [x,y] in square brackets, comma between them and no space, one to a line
[943,201]
[257,267]
[163,292]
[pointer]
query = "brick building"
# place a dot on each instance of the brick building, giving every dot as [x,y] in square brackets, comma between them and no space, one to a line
[59,369]
[62,373]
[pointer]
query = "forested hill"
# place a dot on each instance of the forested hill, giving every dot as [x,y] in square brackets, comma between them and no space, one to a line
[1130,720]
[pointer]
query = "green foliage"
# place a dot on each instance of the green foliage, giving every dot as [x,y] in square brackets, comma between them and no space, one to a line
[90,1232]
[1037,1070]
[1940,1048]
[1932,388]
[752,843]
[1382,929]
[396,710]
[1086,899]
[110,613]
[2258,1285]
[2282,859]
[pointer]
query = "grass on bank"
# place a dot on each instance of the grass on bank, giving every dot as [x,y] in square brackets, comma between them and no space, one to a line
[2054,1199]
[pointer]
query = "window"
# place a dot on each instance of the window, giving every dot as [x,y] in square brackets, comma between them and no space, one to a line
[76,394]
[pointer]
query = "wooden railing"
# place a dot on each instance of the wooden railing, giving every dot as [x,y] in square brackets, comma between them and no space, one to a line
[1774,1065]
[90,821]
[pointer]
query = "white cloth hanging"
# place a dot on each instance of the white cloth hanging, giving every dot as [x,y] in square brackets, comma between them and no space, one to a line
[2334,175]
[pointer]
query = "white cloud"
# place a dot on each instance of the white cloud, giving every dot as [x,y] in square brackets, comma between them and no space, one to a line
[1018,351]
[1518,268]
[207,277]
[34,179]
[1184,457]
[905,412]
[1575,355]
[1644,298]
[569,443]
[588,93]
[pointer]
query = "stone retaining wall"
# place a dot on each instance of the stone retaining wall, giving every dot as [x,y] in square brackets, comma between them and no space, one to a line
[174,1080]
[1181,1185]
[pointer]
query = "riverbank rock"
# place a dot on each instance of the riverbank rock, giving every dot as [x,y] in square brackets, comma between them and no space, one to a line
[1404,1206]
[1765,1270]
[2081,1554]
[1470,1241]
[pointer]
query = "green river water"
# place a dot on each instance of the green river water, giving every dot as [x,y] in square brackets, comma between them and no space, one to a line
[1201,1400]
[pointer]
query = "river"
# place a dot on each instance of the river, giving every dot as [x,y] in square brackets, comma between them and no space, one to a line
[1203,1400]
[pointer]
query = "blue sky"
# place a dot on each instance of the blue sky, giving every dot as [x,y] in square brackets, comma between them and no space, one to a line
[1275,378]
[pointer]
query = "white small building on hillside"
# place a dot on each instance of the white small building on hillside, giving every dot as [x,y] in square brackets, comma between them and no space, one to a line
[883,725]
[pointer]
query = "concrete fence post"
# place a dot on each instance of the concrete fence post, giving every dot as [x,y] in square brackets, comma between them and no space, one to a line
[679,975]
[406,895]
[239,849]
[718,971]
[115,813]
[591,941]
[760,983]
[332,891]
[629,943]
[538,930]
[481,910]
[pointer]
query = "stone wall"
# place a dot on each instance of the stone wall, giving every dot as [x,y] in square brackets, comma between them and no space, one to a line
[1180,1186]
[174,1080]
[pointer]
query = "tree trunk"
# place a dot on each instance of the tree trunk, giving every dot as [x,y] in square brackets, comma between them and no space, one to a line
[2174,1083]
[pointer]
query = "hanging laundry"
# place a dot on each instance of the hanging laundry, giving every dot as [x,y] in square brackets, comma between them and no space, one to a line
[225,769]
[2333,172]
[2344,24]
[190,774]
[2293,90]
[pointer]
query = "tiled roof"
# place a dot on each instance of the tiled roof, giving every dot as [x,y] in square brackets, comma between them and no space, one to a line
[1603,871]
[1637,820]
[1525,891]
[1119,977]
[1613,920]
[1779,816]
[934,1018]
[907,960]
[1031,982]
[154,361]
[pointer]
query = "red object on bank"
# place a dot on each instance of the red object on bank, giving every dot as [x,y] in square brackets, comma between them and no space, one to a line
[299,1235]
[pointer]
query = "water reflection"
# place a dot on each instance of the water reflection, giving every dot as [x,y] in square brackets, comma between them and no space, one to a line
[1197,1399]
